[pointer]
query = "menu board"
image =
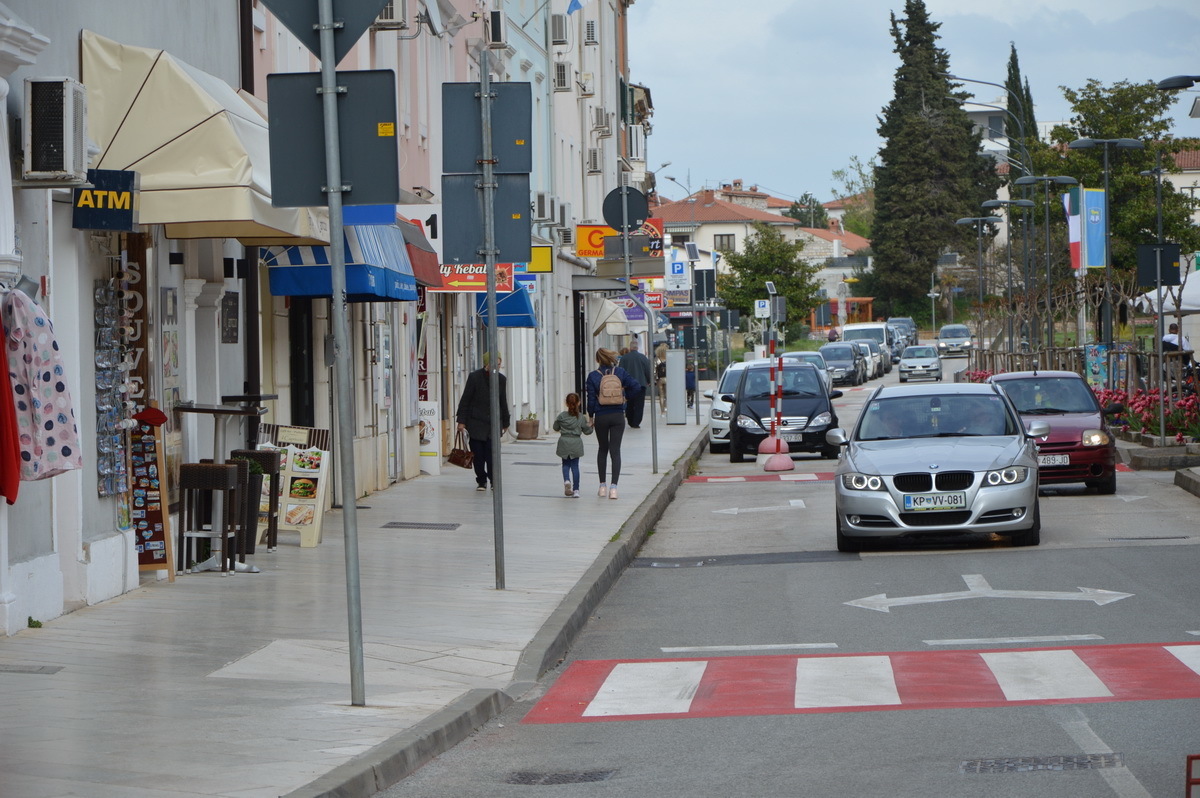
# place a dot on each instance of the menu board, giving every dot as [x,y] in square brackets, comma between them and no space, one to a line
[303,478]
[148,511]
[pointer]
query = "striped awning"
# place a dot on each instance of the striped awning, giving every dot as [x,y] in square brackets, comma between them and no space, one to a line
[377,267]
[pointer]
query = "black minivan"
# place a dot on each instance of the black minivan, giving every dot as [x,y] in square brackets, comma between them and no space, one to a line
[806,410]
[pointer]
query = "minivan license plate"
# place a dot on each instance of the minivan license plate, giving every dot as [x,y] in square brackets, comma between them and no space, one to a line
[1054,459]
[934,501]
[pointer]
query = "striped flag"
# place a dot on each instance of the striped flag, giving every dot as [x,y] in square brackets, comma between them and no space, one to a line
[575,5]
[1071,205]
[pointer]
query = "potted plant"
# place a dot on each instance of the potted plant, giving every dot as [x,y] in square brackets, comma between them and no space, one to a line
[527,427]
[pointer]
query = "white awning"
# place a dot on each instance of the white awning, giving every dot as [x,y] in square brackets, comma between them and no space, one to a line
[606,316]
[200,147]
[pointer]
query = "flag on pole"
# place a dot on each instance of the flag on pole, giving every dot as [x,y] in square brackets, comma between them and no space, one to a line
[1071,205]
[575,5]
[1092,222]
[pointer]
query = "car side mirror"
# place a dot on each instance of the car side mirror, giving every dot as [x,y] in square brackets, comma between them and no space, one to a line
[836,436]
[836,394]
[727,397]
[1038,429]
[707,394]
[1115,409]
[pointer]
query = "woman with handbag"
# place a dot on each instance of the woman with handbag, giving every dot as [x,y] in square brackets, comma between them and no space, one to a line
[474,417]
[608,388]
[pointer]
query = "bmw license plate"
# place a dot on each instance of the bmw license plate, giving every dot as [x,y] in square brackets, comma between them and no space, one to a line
[1054,459]
[791,437]
[934,501]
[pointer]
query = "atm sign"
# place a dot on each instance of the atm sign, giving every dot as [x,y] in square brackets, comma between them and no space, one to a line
[109,204]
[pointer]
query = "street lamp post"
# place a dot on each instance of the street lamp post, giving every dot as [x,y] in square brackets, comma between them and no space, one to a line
[1008,206]
[1046,180]
[1106,310]
[979,222]
[1157,173]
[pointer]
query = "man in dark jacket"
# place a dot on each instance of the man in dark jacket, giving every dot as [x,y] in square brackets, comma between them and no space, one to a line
[638,366]
[475,416]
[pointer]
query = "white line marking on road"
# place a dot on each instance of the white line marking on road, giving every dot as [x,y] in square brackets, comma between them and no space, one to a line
[1044,675]
[791,505]
[726,479]
[762,647]
[845,682]
[979,588]
[798,477]
[648,688]
[987,641]
[1122,781]
[1188,655]
[1193,633]
[1130,498]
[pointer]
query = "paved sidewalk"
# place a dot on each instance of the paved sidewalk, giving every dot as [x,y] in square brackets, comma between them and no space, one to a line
[239,686]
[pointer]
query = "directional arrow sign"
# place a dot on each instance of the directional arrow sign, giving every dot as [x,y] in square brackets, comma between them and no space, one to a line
[977,587]
[791,505]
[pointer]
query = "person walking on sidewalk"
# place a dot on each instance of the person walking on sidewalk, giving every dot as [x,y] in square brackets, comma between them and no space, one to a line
[608,389]
[573,425]
[660,377]
[475,416]
[638,366]
[689,382]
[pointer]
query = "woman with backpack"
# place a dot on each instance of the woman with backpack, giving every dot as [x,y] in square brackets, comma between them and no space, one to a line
[608,388]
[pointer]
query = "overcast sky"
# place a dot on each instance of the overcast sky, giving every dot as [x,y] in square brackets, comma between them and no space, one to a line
[780,93]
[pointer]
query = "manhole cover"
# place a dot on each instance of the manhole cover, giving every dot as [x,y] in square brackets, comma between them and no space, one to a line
[1022,764]
[420,525]
[533,777]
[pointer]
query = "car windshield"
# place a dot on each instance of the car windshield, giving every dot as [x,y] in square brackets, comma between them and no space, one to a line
[920,351]
[955,331]
[954,416]
[1049,396]
[793,382]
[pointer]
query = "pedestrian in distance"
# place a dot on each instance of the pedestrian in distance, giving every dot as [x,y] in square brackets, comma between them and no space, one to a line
[689,382]
[608,390]
[660,375]
[638,366]
[475,417]
[833,334]
[572,425]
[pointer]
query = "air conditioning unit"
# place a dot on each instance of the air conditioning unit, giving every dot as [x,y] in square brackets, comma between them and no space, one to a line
[595,160]
[587,84]
[590,34]
[545,207]
[496,35]
[394,16]
[600,121]
[565,218]
[562,76]
[558,29]
[637,143]
[54,130]
[566,235]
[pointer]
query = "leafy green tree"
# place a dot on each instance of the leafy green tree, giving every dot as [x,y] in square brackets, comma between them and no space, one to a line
[767,255]
[809,211]
[931,171]
[857,193]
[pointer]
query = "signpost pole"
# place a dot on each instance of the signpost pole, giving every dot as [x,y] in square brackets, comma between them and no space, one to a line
[341,352]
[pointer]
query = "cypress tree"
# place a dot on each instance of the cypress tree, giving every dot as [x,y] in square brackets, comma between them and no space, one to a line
[931,171]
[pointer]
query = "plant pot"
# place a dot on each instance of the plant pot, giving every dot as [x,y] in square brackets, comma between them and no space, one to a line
[527,429]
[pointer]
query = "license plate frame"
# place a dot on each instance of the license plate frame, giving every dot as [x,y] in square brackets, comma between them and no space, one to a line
[934,502]
[791,437]
[1054,459]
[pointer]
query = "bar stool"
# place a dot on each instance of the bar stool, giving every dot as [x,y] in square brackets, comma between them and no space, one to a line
[199,484]
[268,459]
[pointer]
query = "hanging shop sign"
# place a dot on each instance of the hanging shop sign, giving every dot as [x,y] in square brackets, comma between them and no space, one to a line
[109,204]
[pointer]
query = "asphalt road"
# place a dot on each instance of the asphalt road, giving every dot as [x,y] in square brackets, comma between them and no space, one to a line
[964,668]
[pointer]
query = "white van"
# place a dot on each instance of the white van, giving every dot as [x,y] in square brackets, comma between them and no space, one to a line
[879,332]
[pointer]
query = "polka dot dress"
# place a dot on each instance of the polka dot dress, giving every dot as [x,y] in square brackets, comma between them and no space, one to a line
[46,428]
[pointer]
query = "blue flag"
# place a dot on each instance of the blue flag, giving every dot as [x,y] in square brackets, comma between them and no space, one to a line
[574,6]
[1094,241]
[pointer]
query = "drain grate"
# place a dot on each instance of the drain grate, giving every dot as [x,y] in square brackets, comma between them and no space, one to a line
[533,777]
[420,525]
[45,670]
[1025,764]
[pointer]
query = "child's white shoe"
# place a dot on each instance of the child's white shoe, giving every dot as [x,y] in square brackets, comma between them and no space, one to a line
[567,489]
[603,490]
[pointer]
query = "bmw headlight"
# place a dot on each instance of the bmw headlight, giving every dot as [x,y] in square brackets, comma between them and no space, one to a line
[1006,476]
[855,481]
[745,422]
[1095,437]
[720,415]
[821,420]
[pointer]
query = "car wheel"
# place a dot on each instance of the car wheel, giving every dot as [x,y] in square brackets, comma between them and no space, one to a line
[1033,535]
[1106,486]
[736,456]
[718,448]
[847,545]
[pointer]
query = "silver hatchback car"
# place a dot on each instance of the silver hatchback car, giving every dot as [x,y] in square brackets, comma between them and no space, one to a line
[920,361]
[937,460]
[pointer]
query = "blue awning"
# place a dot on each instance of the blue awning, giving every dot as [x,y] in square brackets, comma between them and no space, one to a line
[512,310]
[377,267]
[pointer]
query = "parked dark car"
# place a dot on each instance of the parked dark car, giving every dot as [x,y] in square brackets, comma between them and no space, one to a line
[907,326]
[806,410]
[1080,447]
[846,364]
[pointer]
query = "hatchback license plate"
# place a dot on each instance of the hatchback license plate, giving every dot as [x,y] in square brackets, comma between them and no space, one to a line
[791,437]
[934,501]
[1054,459]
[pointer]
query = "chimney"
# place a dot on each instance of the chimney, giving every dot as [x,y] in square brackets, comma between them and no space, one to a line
[835,226]
[737,185]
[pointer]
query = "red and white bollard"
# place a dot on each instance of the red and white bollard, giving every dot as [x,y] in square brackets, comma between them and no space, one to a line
[776,450]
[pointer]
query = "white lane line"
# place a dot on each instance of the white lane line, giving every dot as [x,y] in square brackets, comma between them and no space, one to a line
[1193,633]
[1120,779]
[798,477]
[1188,655]
[725,479]
[987,641]
[1044,675]
[647,688]
[763,647]
[845,682]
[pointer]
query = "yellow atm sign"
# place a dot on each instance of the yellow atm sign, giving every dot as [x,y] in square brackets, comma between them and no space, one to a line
[108,203]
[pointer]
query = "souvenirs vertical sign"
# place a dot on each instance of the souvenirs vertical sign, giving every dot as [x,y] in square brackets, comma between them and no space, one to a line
[149,512]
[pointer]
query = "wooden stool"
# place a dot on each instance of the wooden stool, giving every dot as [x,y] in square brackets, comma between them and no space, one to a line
[268,459]
[199,483]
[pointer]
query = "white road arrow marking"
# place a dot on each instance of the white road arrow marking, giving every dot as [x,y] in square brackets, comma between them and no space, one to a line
[1130,498]
[977,587]
[791,505]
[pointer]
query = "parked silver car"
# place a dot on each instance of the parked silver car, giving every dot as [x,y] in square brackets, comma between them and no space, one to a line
[718,412]
[920,362]
[818,360]
[937,460]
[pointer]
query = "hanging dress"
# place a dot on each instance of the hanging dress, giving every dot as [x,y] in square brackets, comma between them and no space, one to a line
[46,427]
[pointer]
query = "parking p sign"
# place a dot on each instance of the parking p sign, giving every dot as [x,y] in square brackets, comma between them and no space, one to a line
[676,276]
[762,309]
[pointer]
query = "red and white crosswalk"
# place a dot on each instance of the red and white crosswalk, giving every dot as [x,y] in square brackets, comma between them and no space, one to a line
[595,690]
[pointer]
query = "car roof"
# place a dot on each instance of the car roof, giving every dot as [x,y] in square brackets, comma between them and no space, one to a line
[790,366]
[935,389]
[1033,375]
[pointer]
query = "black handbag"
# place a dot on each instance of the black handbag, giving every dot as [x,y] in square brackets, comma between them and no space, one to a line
[460,455]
